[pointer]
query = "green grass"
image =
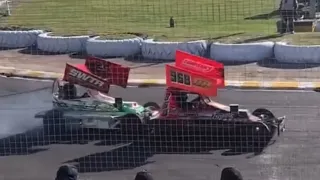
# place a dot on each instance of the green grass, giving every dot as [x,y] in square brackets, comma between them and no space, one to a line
[224,20]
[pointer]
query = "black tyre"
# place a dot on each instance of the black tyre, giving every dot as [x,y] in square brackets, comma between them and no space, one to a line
[263,113]
[266,132]
[54,127]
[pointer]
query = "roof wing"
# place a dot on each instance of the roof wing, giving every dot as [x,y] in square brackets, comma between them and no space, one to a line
[190,81]
[80,74]
[207,67]
[116,74]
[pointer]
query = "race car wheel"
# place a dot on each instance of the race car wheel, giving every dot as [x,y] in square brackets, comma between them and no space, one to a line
[54,127]
[151,106]
[263,135]
[263,113]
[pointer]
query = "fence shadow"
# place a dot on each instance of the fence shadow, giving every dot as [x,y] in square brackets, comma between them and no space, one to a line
[137,153]
[272,14]
[33,50]
[30,142]
[22,144]
[260,38]
[125,157]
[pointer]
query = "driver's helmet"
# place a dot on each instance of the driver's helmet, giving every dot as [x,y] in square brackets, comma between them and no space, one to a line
[69,91]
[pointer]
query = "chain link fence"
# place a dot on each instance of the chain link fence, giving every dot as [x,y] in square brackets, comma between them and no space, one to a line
[101,134]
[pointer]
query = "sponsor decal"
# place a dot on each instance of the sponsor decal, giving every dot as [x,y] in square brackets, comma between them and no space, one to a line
[197,65]
[85,77]
[201,83]
[228,116]
[223,116]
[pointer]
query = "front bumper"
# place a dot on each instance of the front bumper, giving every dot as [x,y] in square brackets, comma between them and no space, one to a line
[281,127]
[277,124]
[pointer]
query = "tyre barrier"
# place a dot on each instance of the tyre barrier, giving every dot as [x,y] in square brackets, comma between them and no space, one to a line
[249,52]
[61,44]
[296,54]
[150,49]
[113,48]
[167,50]
[18,39]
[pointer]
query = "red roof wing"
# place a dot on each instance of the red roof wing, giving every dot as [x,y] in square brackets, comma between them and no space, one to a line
[195,74]
[190,81]
[80,74]
[116,74]
[200,65]
[97,74]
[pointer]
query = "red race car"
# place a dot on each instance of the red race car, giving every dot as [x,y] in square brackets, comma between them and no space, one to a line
[188,109]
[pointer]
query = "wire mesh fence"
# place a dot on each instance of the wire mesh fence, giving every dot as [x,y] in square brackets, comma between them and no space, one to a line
[183,20]
[125,142]
[213,20]
[177,122]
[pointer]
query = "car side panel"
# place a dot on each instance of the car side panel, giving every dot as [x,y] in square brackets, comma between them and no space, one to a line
[207,127]
[95,115]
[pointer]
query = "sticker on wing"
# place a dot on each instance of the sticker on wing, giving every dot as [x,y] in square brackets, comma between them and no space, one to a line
[197,64]
[116,74]
[80,74]
[190,81]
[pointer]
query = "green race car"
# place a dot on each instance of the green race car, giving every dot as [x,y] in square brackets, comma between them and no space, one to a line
[93,108]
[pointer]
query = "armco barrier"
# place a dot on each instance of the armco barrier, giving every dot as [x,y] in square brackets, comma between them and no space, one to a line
[18,39]
[113,48]
[167,50]
[248,52]
[61,44]
[296,54]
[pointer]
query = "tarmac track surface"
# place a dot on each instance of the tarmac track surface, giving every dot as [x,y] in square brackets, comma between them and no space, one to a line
[294,155]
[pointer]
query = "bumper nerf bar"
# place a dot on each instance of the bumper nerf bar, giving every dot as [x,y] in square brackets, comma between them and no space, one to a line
[280,123]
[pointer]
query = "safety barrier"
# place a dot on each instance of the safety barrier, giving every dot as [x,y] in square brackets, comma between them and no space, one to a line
[18,39]
[150,49]
[166,50]
[248,52]
[296,54]
[113,48]
[61,44]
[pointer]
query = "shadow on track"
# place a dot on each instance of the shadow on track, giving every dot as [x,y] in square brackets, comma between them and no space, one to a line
[34,141]
[125,157]
[22,144]
[138,150]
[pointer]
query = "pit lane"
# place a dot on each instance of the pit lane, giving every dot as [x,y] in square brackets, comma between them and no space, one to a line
[295,155]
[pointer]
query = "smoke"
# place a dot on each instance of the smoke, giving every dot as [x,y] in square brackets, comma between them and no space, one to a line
[20,100]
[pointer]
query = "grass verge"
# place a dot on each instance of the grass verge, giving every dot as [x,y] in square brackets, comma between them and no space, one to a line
[230,21]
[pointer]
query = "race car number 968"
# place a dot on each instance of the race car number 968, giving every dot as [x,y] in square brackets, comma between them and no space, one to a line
[185,79]
[180,78]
